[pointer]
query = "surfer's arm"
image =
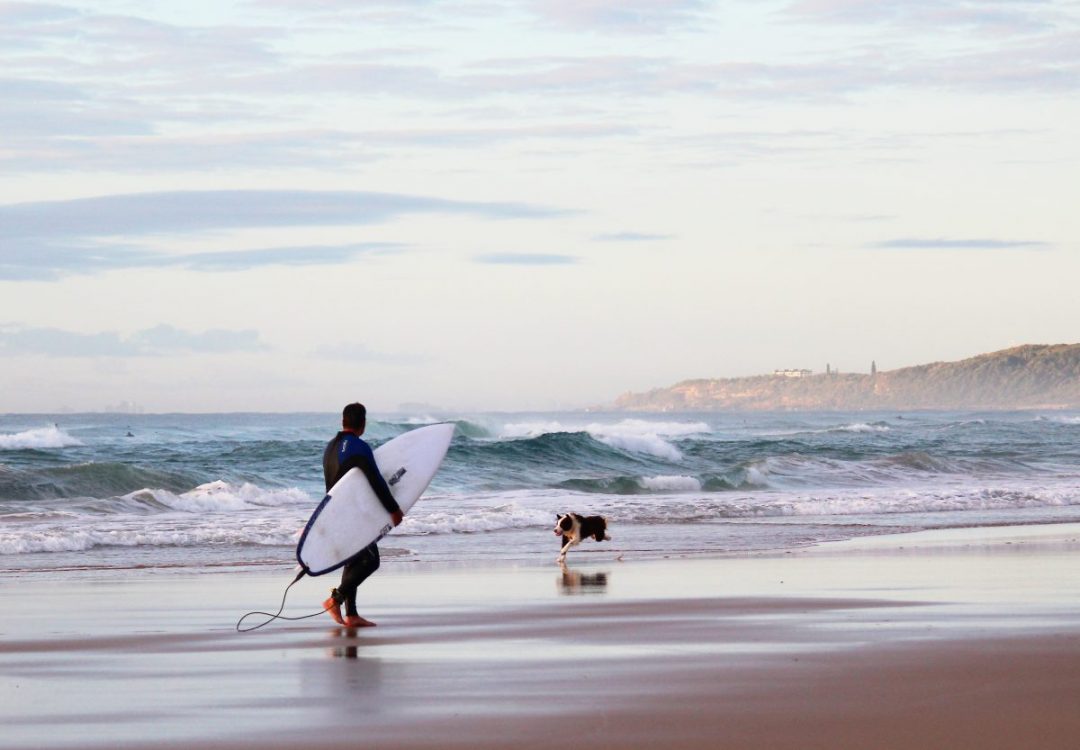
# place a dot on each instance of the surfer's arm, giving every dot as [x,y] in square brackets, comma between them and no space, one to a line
[364,459]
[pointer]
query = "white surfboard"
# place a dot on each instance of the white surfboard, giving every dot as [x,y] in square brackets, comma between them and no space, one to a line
[351,517]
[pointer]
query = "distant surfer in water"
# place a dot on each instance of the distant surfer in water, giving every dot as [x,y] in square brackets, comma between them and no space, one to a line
[344,452]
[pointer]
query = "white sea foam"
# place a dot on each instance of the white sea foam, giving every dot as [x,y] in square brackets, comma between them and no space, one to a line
[650,444]
[222,496]
[497,518]
[757,476]
[671,483]
[132,532]
[42,437]
[228,525]
[861,427]
[532,429]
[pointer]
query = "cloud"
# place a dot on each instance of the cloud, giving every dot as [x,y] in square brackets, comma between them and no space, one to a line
[89,90]
[161,340]
[205,210]
[148,153]
[131,148]
[30,107]
[37,261]
[526,259]
[621,16]
[81,148]
[14,14]
[632,237]
[238,260]
[45,240]
[940,243]
[137,45]
[1002,16]
[595,16]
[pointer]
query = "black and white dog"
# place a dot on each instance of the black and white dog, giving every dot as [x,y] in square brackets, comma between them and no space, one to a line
[574,528]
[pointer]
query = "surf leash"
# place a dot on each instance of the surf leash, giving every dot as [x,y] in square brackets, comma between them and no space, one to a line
[277,615]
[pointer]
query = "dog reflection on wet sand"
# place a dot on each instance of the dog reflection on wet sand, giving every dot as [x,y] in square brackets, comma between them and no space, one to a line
[575,582]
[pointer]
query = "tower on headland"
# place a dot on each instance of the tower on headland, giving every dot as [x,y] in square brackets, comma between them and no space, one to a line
[873,367]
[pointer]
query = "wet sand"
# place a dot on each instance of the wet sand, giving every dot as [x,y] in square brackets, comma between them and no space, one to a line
[945,639]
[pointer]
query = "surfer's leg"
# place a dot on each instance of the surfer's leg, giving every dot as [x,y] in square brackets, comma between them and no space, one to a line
[356,572]
[333,606]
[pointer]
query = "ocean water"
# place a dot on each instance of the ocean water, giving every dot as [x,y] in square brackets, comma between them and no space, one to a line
[100,491]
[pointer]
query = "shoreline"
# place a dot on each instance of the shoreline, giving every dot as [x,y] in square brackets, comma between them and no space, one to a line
[944,638]
[395,554]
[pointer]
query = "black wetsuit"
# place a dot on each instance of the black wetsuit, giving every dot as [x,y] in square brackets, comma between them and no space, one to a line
[344,452]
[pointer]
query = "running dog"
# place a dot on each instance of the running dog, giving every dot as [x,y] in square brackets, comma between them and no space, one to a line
[574,528]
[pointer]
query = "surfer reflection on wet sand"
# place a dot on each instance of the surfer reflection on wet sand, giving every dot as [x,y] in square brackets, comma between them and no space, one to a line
[572,582]
[348,651]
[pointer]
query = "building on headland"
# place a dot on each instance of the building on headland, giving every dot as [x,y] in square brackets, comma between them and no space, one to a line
[793,373]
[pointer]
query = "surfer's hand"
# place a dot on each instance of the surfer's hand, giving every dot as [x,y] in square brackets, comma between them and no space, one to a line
[397,517]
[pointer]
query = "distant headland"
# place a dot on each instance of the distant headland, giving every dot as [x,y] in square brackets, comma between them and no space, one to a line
[1034,376]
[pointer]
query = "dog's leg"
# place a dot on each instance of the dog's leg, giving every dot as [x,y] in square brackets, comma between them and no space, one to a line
[562,552]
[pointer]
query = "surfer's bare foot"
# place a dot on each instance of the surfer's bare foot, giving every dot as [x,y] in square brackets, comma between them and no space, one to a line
[334,610]
[356,621]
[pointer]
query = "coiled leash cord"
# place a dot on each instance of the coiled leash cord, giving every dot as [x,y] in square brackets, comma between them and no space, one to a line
[277,615]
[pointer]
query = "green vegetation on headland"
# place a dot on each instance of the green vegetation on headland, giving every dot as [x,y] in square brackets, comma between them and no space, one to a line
[1024,377]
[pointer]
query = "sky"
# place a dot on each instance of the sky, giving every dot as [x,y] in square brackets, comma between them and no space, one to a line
[288,205]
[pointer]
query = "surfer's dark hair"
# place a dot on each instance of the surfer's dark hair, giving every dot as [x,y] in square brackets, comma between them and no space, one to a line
[354,416]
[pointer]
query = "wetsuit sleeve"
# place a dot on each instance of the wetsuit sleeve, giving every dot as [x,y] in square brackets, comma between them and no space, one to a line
[359,455]
[330,464]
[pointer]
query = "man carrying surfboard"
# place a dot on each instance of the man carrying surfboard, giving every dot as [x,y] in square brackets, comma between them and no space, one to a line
[347,451]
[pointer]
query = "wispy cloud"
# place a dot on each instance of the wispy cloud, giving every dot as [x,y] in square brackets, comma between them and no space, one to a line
[632,237]
[239,260]
[16,13]
[32,261]
[49,239]
[526,259]
[149,153]
[1009,16]
[942,243]
[161,340]
[84,89]
[621,16]
[197,211]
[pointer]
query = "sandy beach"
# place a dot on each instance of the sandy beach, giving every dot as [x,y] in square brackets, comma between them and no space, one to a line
[965,638]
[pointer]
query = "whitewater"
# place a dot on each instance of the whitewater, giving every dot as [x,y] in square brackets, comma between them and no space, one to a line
[87,491]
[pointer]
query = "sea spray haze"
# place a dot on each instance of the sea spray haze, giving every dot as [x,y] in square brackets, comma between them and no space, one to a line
[191,490]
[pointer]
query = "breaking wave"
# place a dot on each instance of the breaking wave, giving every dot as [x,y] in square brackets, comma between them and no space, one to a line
[42,438]
[633,435]
[84,480]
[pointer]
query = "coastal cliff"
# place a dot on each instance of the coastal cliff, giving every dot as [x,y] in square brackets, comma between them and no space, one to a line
[1024,377]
